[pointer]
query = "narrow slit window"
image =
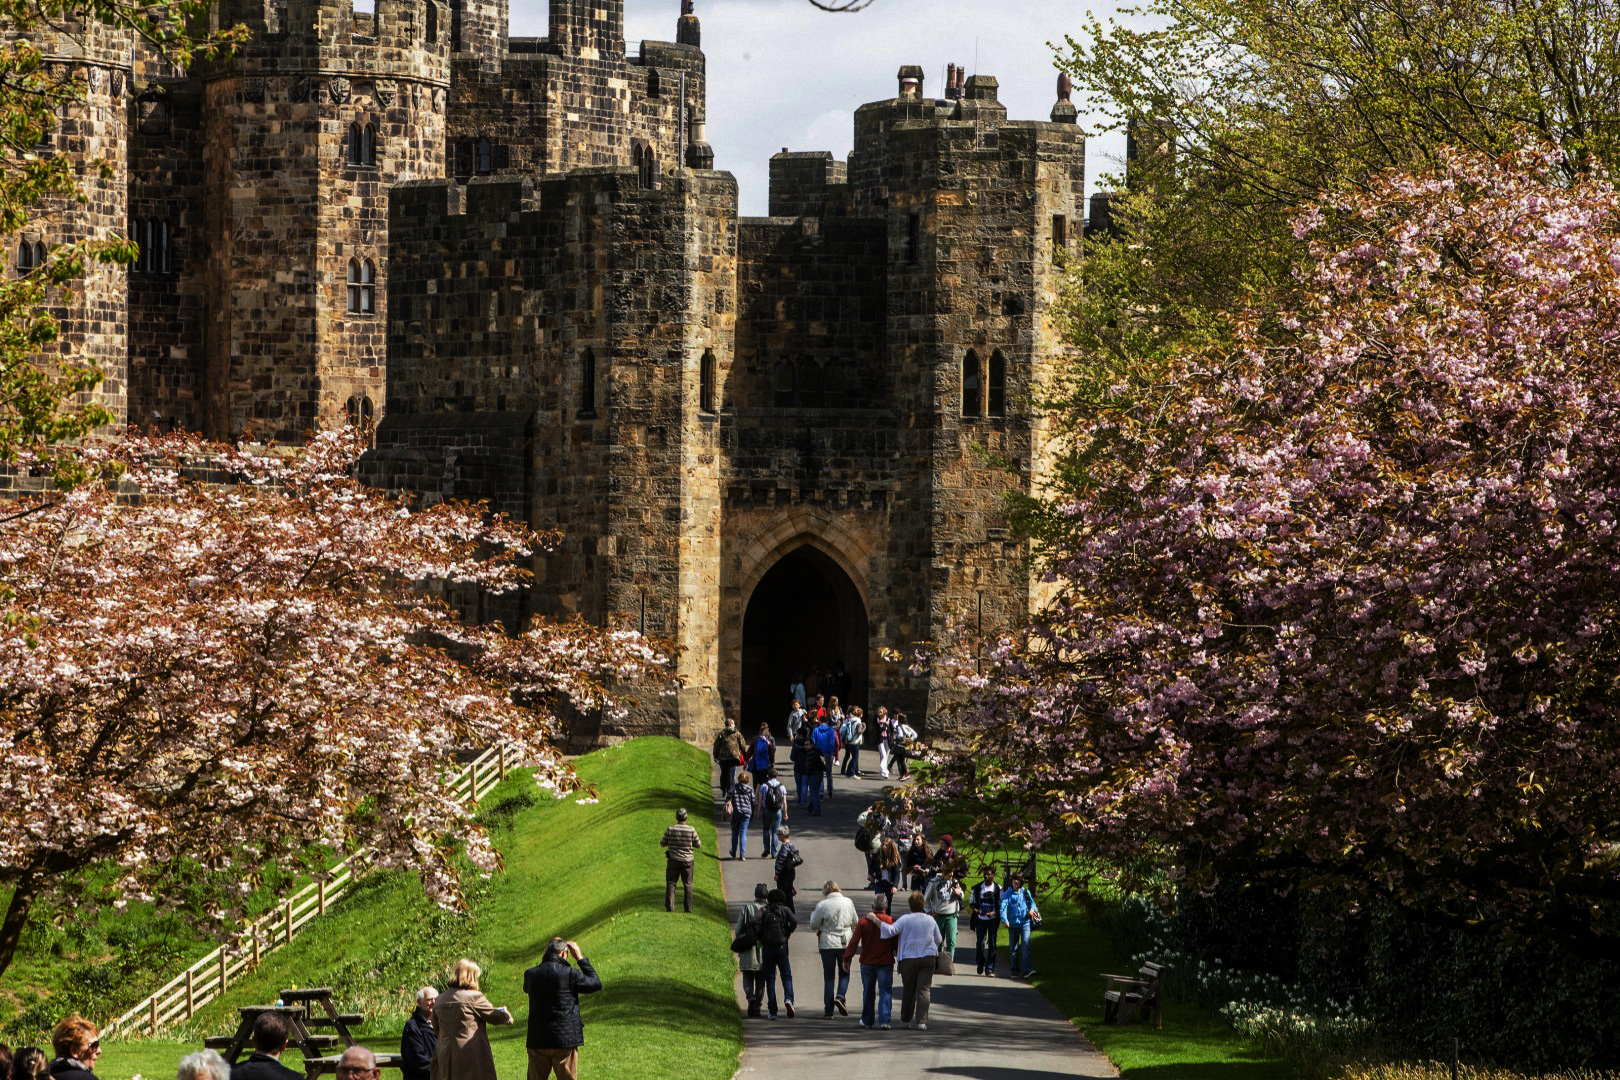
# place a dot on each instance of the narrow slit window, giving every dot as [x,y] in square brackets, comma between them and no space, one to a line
[25,257]
[996,392]
[486,157]
[832,385]
[432,23]
[783,385]
[1060,234]
[354,144]
[368,145]
[810,384]
[706,377]
[587,383]
[971,385]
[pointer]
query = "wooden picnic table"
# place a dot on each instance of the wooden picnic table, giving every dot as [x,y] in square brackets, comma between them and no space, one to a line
[299,1021]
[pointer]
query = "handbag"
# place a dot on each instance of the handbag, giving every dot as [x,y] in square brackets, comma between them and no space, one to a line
[943,964]
[863,839]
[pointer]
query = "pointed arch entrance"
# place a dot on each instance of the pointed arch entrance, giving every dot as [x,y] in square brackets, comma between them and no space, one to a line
[804,612]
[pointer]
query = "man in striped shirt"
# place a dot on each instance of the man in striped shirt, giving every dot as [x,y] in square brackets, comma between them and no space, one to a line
[680,840]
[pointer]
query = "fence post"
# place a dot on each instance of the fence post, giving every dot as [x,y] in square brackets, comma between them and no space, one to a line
[289,922]
[320,895]
[475,782]
[503,761]
[254,930]
[224,972]
[191,999]
[154,1014]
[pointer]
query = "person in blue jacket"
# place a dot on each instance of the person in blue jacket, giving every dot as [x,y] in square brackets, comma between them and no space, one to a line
[1019,915]
[826,739]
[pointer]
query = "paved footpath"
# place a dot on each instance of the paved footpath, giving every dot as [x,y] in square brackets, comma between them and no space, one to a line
[986,1029]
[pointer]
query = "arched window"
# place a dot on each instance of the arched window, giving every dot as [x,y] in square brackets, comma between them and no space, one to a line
[362,286]
[653,86]
[706,375]
[152,237]
[972,404]
[368,145]
[996,391]
[646,163]
[783,384]
[587,383]
[810,384]
[486,157]
[354,144]
[432,23]
[359,410]
[25,257]
[39,253]
[832,385]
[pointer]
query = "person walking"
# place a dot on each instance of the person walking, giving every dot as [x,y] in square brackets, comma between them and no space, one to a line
[772,800]
[739,809]
[876,823]
[729,749]
[815,773]
[918,861]
[825,736]
[556,1030]
[762,752]
[417,1042]
[943,900]
[799,754]
[796,719]
[985,921]
[854,734]
[1019,912]
[902,744]
[786,868]
[833,920]
[877,964]
[919,944]
[749,961]
[776,926]
[885,730]
[888,869]
[679,842]
[460,1016]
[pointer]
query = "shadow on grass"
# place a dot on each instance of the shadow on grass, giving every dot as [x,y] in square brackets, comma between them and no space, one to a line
[995,1072]
[635,1002]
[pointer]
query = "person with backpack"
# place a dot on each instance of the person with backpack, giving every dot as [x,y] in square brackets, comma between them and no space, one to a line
[772,799]
[786,868]
[729,748]
[739,809]
[854,732]
[762,754]
[986,922]
[874,823]
[776,924]
[815,770]
[902,744]
[1019,912]
[825,736]
[749,961]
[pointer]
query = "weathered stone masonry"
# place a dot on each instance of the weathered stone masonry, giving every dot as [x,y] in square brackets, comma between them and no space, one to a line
[765,439]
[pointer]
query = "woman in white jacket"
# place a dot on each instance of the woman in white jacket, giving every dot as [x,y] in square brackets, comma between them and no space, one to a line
[833,920]
[920,941]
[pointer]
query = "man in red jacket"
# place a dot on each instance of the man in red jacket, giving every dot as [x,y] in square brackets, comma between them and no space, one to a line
[877,964]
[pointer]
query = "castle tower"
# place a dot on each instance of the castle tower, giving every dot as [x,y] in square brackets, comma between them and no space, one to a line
[305,131]
[98,59]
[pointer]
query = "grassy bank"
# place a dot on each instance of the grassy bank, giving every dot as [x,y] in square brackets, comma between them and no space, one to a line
[590,872]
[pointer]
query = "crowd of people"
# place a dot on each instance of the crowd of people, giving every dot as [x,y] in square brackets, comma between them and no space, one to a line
[903,869]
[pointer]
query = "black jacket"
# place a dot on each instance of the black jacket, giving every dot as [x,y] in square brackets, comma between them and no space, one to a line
[554,988]
[416,1045]
[263,1067]
[63,1069]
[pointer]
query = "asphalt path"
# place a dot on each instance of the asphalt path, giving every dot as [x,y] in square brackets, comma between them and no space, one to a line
[978,1027]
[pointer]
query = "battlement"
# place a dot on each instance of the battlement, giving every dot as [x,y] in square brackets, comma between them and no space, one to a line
[807,183]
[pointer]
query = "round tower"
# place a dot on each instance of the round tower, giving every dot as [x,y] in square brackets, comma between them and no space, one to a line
[305,130]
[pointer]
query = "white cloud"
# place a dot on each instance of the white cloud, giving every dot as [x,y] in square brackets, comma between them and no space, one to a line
[782,73]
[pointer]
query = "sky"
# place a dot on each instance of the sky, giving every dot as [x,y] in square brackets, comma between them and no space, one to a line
[784,74]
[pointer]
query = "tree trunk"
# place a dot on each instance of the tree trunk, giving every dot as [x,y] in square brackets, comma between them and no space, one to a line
[22,900]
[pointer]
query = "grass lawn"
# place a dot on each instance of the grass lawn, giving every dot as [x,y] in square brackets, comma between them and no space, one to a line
[590,872]
[1070,950]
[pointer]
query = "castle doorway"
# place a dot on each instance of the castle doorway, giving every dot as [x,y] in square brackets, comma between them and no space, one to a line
[805,612]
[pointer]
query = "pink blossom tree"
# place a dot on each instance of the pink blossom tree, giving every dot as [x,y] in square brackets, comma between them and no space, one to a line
[222,674]
[1338,606]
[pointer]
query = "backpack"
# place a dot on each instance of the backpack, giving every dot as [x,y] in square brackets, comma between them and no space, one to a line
[770,797]
[747,935]
[863,839]
[849,730]
[762,753]
[773,929]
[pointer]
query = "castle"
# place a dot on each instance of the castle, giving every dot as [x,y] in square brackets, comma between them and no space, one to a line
[776,441]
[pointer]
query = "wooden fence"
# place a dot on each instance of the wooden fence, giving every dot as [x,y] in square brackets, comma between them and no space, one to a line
[208,978]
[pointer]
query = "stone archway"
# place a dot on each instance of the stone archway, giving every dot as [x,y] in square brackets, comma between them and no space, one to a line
[803,610]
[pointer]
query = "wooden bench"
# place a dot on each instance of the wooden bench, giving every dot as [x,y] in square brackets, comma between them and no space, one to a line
[1126,998]
[297,1006]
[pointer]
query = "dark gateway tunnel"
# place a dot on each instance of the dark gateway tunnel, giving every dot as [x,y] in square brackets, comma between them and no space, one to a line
[804,612]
